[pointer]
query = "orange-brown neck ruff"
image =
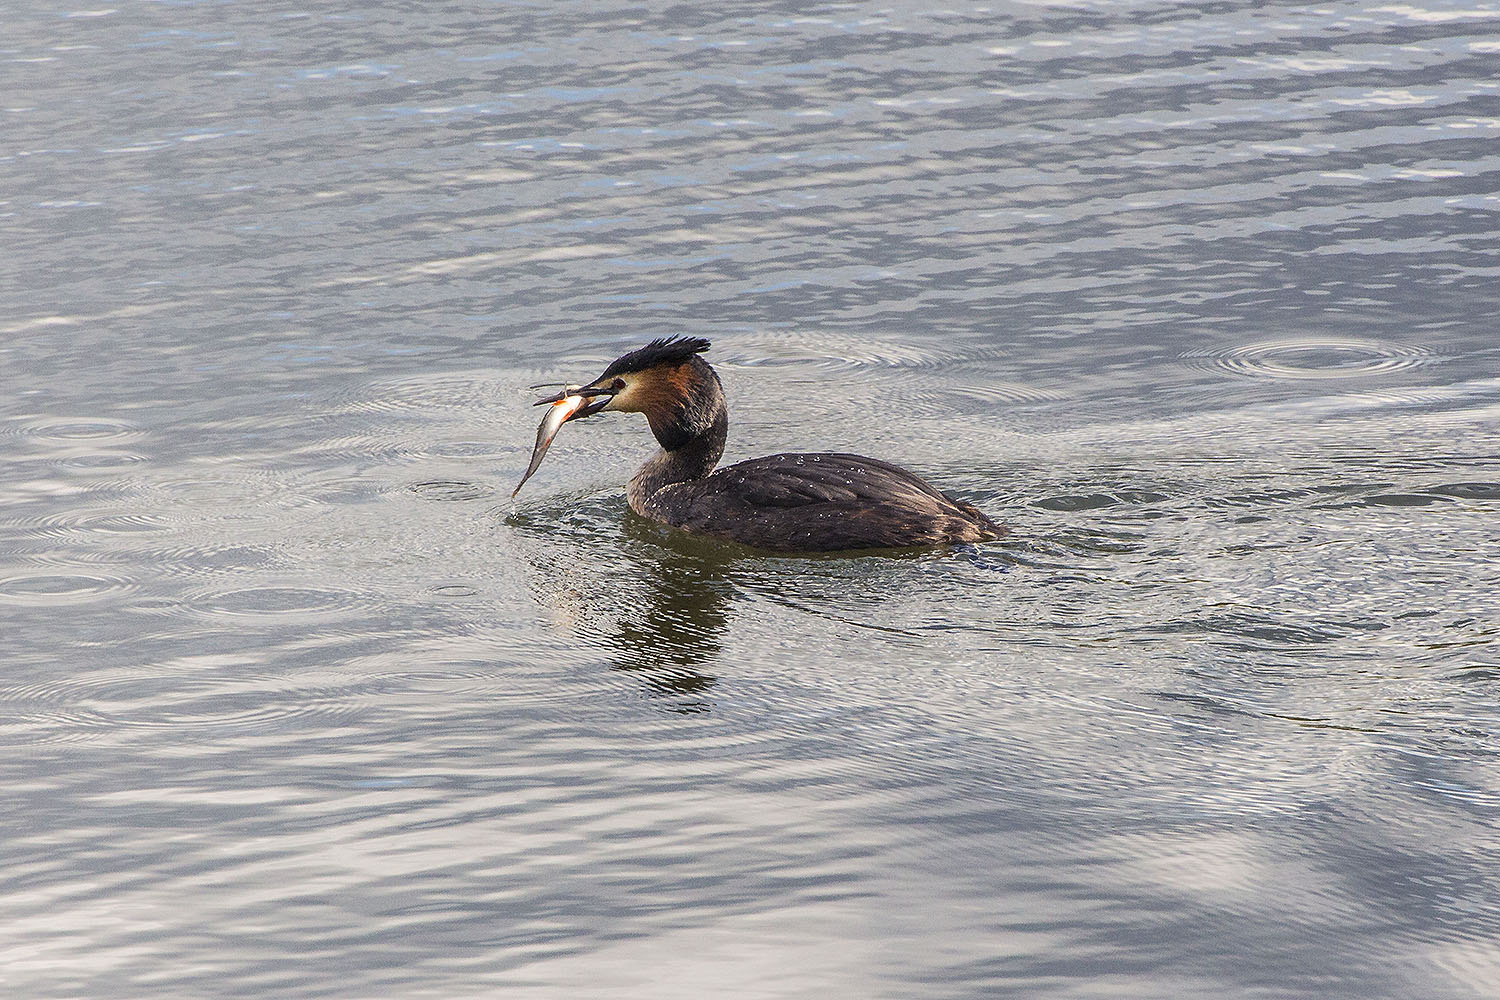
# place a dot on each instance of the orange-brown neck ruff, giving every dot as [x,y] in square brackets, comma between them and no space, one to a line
[658,392]
[681,402]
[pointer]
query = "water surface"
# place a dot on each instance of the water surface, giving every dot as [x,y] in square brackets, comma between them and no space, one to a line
[1197,297]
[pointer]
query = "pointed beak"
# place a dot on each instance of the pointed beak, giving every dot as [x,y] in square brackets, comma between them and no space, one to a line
[597,398]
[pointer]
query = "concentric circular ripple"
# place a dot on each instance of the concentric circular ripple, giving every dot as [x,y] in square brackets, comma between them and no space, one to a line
[462,449]
[238,490]
[454,590]
[837,350]
[1007,392]
[208,557]
[78,710]
[445,490]
[43,589]
[1314,359]
[80,430]
[95,461]
[336,490]
[99,522]
[427,393]
[291,603]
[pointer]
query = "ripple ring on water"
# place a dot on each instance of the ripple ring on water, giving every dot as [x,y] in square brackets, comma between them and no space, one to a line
[74,711]
[238,491]
[446,490]
[431,393]
[453,590]
[276,602]
[1007,392]
[1314,359]
[80,430]
[207,558]
[839,351]
[98,522]
[59,588]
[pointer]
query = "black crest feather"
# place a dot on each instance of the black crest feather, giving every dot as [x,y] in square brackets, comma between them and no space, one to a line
[662,351]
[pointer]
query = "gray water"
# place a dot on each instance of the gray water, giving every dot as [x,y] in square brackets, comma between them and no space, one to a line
[1198,298]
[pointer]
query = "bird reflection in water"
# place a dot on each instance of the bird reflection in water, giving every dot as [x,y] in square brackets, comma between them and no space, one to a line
[684,605]
[659,611]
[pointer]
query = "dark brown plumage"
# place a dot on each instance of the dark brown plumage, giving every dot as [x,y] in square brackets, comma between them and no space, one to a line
[666,351]
[816,502]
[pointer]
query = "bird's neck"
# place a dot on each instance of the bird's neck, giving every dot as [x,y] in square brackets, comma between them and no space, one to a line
[693,458]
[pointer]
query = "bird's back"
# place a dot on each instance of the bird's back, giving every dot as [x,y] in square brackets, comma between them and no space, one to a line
[819,502]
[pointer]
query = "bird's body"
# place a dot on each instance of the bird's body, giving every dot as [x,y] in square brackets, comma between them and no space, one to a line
[814,502]
[817,502]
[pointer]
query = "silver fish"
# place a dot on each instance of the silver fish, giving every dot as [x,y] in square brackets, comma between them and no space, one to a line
[557,414]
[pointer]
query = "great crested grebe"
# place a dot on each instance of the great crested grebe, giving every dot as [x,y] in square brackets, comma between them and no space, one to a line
[820,502]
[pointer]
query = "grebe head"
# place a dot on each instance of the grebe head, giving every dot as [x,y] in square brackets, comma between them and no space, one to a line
[666,380]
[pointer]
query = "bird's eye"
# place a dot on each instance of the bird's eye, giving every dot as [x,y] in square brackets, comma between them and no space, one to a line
[619,384]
